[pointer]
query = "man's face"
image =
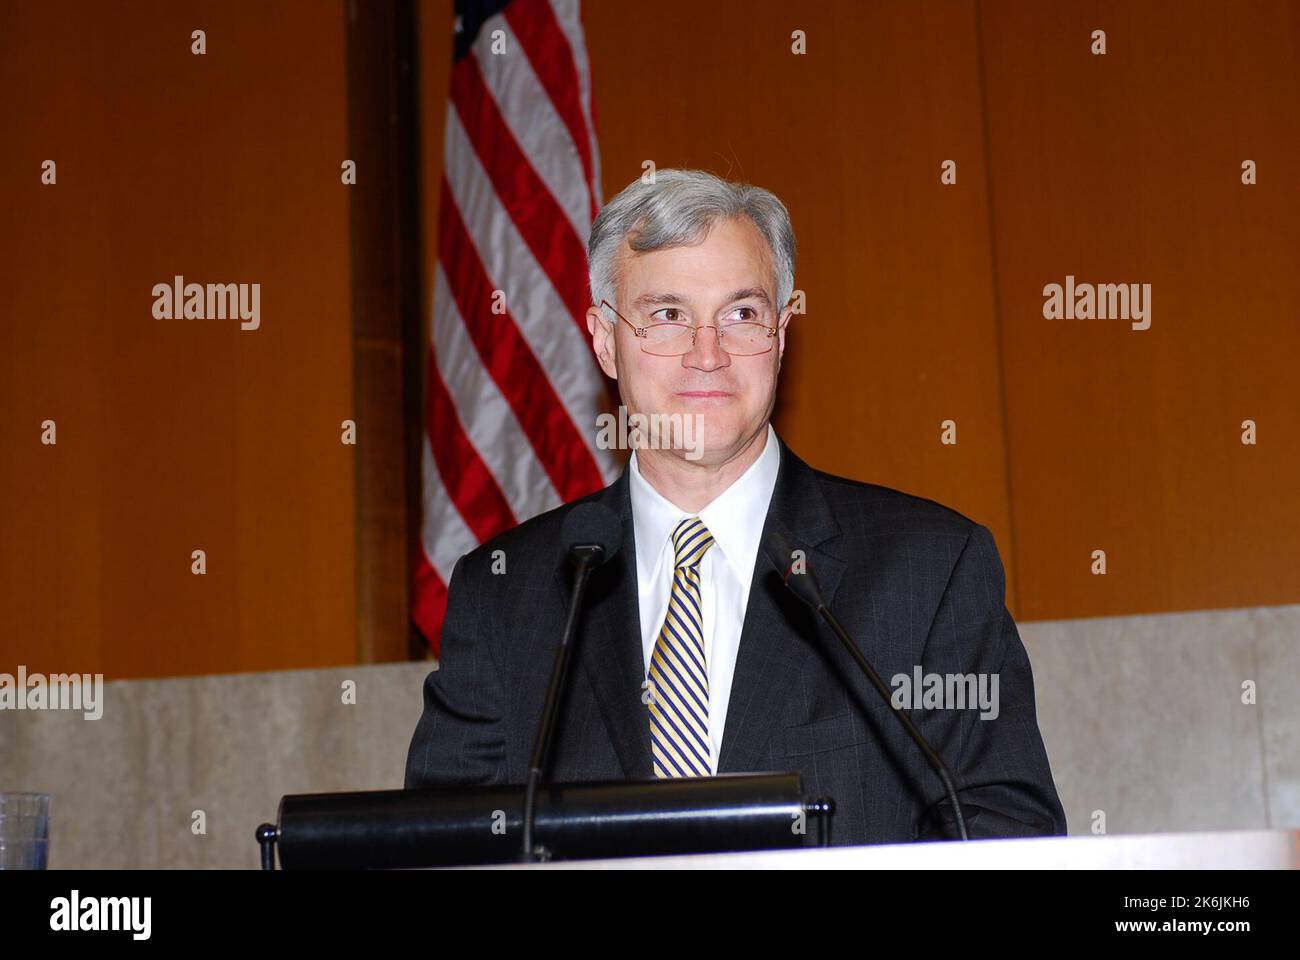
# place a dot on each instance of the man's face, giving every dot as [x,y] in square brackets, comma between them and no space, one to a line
[708,282]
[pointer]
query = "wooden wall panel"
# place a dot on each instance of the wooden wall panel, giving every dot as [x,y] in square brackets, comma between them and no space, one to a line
[174,435]
[1126,168]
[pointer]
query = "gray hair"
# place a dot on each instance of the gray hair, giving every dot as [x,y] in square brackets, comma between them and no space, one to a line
[680,207]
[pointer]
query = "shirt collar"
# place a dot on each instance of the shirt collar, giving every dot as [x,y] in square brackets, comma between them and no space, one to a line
[729,516]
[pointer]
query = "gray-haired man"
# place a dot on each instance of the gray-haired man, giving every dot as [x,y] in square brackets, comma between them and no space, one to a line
[691,279]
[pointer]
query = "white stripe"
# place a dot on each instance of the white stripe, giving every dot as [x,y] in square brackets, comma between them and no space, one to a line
[489,422]
[569,15]
[532,118]
[444,534]
[542,317]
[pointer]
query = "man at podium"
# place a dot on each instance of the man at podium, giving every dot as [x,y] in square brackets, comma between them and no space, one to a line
[691,657]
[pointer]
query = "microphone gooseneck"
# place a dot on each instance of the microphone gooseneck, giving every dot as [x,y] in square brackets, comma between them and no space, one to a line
[590,536]
[800,580]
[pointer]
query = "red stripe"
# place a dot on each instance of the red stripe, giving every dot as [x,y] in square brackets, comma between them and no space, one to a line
[469,483]
[508,358]
[429,603]
[538,218]
[547,49]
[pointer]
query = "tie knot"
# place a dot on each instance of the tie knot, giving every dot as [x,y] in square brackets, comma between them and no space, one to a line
[691,539]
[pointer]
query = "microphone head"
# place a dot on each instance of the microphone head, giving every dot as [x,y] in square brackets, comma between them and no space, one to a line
[592,530]
[792,564]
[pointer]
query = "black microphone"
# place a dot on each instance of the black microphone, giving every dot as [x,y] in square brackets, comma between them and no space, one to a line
[590,536]
[799,578]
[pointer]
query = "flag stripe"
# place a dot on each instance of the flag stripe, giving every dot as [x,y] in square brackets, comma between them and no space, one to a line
[568,15]
[444,535]
[535,213]
[563,351]
[535,123]
[493,429]
[548,50]
[468,482]
[554,436]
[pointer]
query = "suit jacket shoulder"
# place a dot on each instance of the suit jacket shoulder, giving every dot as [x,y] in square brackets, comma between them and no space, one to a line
[876,508]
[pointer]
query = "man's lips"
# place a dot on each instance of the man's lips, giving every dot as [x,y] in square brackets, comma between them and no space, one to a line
[704,394]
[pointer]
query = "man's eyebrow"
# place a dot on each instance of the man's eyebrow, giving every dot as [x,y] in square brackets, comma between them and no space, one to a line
[750,293]
[676,299]
[658,299]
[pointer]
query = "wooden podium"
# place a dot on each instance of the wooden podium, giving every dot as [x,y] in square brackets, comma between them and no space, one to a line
[1227,850]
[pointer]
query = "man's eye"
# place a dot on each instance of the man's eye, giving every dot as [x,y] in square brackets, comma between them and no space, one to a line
[670,315]
[743,315]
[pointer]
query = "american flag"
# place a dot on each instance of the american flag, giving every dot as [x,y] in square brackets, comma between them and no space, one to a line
[513,389]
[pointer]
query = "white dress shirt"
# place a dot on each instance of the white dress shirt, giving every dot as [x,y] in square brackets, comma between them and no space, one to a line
[735,520]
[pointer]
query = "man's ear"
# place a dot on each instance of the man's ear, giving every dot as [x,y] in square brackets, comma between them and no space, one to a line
[602,341]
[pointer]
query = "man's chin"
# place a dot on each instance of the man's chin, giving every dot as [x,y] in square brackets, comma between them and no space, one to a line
[707,432]
[713,441]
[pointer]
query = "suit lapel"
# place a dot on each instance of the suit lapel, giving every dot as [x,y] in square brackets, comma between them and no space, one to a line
[609,641]
[776,623]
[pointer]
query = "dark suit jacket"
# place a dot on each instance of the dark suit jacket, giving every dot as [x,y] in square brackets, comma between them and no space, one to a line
[912,581]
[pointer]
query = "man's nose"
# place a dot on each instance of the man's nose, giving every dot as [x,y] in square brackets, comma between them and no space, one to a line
[707,352]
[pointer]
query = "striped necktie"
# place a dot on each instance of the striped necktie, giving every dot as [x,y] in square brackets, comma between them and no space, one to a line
[679,680]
